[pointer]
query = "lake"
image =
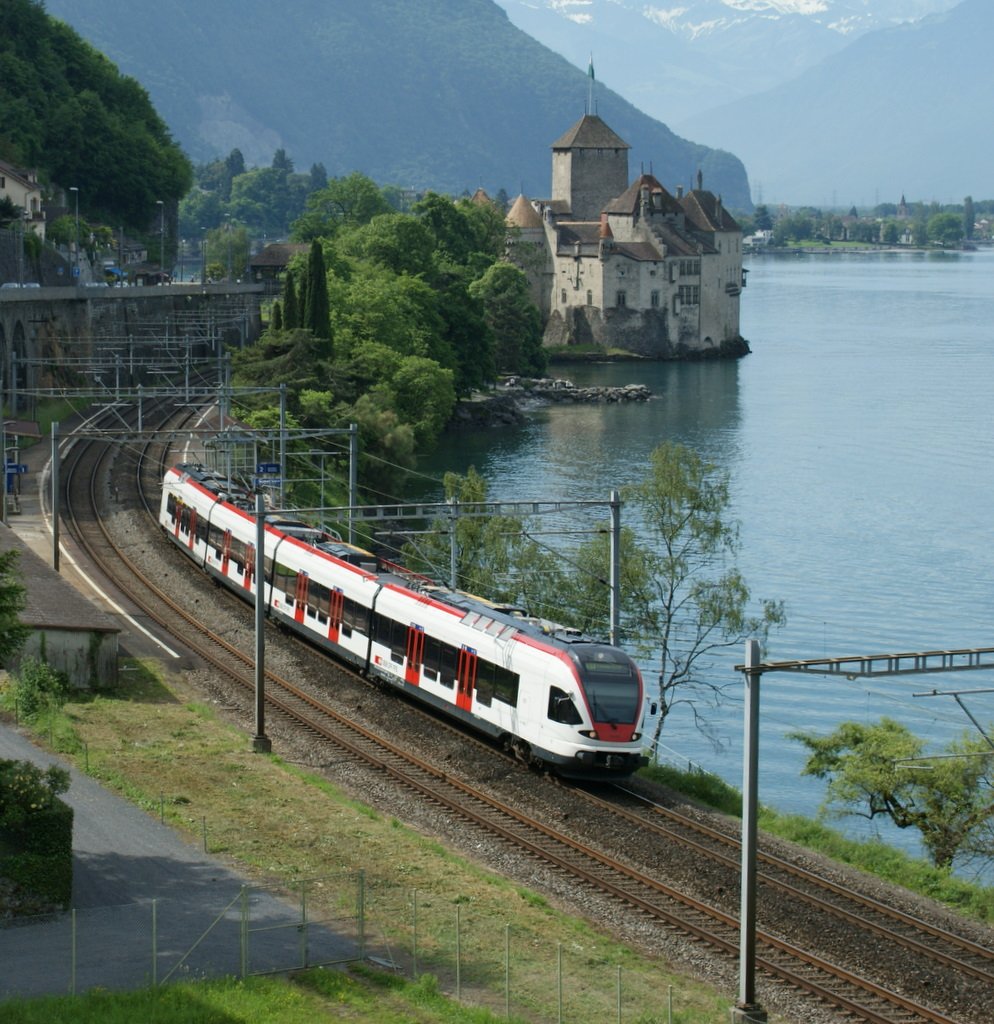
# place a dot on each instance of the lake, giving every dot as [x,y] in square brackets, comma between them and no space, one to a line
[858,436]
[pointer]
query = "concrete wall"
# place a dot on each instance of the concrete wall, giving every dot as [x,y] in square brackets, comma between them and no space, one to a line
[88,658]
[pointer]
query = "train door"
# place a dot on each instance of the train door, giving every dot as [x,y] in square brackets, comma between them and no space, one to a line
[336,606]
[193,528]
[249,566]
[226,552]
[177,517]
[465,678]
[415,654]
[300,597]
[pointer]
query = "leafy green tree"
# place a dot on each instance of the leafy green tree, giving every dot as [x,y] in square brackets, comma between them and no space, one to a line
[945,228]
[891,233]
[396,241]
[513,318]
[695,602]
[347,202]
[424,396]
[453,232]
[762,218]
[13,633]
[951,804]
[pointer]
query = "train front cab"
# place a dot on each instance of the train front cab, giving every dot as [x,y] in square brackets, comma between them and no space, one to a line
[612,692]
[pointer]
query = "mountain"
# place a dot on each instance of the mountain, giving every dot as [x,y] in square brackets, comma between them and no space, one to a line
[445,94]
[901,110]
[676,60]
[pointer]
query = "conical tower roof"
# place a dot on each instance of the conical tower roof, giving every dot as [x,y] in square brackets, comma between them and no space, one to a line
[523,215]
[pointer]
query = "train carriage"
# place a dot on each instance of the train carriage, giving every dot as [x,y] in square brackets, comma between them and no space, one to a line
[554,697]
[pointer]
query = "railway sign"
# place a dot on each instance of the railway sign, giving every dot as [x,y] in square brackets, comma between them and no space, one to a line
[267,468]
[16,467]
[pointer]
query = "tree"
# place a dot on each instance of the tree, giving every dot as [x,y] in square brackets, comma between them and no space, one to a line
[951,804]
[348,201]
[762,218]
[945,228]
[969,218]
[694,601]
[513,318]
[317,317]
[12,599]
[291,302]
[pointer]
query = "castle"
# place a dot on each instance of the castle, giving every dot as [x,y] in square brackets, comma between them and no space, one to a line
[628,266]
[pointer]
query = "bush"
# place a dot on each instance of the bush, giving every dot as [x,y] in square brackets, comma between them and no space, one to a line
[37,687]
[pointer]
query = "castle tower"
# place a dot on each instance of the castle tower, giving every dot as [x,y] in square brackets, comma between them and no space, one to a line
[589,168]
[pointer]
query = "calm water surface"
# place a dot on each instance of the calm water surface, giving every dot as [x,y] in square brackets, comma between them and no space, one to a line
[858,439]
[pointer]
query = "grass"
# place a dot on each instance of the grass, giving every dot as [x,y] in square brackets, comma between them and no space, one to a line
[160,745]
[305,998]
[873,857]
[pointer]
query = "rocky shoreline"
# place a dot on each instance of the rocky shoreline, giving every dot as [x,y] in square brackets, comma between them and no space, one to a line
[506,406]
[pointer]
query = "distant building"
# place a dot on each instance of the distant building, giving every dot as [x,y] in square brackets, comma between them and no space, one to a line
[23,190]
[628,265]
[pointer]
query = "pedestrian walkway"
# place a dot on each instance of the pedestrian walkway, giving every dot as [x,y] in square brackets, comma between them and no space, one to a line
[149,906]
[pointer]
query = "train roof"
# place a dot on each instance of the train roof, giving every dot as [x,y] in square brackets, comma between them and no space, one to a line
[496,619]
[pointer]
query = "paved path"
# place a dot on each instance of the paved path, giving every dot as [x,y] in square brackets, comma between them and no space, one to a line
[130,872]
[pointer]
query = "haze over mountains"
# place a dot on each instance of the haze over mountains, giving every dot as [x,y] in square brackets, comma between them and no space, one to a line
[828,102]
[443,94]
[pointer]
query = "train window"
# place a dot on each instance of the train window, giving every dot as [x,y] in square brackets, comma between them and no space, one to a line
[439,661]
[354,616]
[171,505]
[561,707]
[216,540]
[506,685]
[391,634]
[485,682]
[286,580]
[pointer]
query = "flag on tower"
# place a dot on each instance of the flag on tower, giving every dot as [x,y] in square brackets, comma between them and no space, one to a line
[590,68]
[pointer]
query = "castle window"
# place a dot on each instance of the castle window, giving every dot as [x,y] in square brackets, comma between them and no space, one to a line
[654,299]
[621,299]
[564,296]
[590,297]
[689,294]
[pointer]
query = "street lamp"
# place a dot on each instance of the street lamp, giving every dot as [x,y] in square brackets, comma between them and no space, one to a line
[75,265]
[162,237]
[203,255]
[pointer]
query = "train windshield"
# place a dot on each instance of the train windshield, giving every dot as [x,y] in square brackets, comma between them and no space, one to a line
[611,683]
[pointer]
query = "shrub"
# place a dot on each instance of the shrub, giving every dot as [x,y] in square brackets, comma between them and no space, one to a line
[38,686]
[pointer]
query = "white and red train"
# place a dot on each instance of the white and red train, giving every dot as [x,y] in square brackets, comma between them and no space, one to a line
[556,698]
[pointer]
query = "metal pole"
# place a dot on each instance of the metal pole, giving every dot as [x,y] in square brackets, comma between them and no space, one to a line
[162,238]
[353,475]
[747,1009]
[282,445]
[75,263]
[261,743]
[615,567]
[56,487]
[453,544]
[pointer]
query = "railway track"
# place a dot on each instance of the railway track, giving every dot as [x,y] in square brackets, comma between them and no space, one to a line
[704,923]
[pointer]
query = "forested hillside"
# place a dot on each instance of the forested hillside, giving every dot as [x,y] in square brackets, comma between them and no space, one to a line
[66,111]
[441,94]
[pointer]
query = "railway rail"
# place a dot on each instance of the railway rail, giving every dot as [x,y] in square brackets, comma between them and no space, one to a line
[953,964]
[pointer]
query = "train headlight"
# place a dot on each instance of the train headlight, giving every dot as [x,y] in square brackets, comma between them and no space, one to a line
[636,736]
[591,734]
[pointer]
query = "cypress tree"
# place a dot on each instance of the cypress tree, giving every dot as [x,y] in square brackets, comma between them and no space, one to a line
[276,317]
[291,314]
[317,315]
